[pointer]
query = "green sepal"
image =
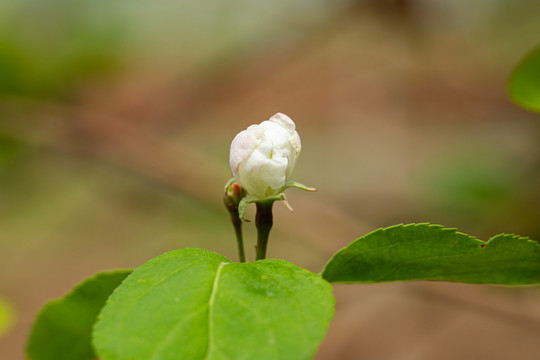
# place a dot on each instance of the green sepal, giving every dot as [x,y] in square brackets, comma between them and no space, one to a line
[297,185]
[280,197]
[250,200]
[242,207]
[229,183]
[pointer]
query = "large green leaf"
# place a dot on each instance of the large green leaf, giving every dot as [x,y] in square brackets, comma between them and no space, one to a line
[431,252]
[524,84]
[196,304]
[63,328]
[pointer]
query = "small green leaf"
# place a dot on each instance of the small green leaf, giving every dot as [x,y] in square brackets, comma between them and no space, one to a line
[431,252]
[524,84]
[63,328]
[6,316]
[196,304]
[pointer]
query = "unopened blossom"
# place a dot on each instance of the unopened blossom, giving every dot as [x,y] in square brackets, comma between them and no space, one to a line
[263,156]
[233,195]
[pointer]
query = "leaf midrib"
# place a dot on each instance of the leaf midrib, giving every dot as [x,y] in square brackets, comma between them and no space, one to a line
[209,306]
[211,300]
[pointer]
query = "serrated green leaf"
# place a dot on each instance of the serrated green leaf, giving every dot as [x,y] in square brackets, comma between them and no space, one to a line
[524,84]
[63,328]
[195,304]
[6,316]
[431,252]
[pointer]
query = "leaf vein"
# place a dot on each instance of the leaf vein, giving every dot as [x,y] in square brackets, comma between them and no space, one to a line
[134,303]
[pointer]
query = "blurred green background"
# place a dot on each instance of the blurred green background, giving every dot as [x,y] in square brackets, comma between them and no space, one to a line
[116,118]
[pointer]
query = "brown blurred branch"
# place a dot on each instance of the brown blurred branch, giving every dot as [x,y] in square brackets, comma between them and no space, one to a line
[69,129]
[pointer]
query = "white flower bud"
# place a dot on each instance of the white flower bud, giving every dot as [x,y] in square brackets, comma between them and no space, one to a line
[263,156]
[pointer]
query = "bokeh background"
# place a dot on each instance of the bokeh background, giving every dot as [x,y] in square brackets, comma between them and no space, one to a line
[116,118]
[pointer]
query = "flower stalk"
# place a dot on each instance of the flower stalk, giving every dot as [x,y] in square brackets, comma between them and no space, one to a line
[232,197]
[263,223]
[237,224]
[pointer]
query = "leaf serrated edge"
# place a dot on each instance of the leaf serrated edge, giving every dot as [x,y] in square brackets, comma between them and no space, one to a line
[403,226]
[514,237]
[482,243]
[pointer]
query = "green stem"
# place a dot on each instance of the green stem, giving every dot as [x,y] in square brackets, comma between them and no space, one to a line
[237,224]
[263,222]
